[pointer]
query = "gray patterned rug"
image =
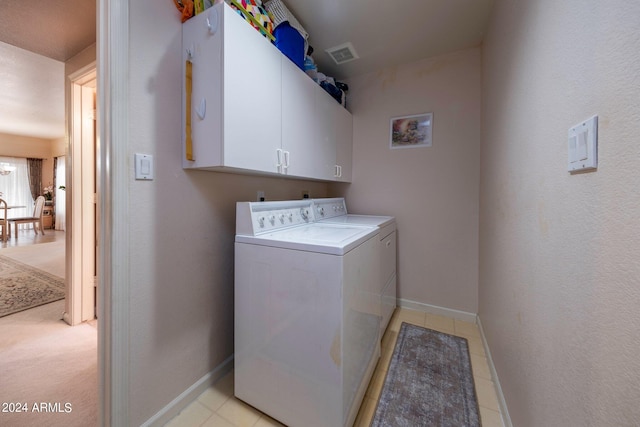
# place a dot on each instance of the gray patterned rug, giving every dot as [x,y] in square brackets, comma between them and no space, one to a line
[23,287]
[429,382]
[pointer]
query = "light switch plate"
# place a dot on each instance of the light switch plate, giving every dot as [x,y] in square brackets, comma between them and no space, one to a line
[144,166]
[583,146]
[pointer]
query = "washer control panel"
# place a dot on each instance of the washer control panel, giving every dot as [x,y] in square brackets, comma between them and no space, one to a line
[259,217]
[270,220]
[329,208]
[253,218]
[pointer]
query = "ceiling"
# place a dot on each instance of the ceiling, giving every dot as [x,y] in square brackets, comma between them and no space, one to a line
[32,78]
[383,33]
[57,29]
[388,33]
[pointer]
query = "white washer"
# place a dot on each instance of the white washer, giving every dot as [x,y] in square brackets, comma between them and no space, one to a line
[334,210]
[307,313]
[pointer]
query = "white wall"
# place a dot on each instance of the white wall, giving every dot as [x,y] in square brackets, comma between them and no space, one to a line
[32,88]
[560,253]
[433,192]
[182,227]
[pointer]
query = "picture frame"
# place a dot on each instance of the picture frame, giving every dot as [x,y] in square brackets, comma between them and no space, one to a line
[411,131]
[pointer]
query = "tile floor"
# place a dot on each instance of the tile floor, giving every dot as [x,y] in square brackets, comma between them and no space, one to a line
[216,406]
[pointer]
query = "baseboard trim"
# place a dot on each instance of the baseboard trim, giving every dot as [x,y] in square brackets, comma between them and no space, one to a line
[434,309]
[189,395]
[504,412]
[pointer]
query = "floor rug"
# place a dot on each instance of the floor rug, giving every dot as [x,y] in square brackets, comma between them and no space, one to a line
[23,287]
[429,382]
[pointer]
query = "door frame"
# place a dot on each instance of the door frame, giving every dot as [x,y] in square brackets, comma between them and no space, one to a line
[80,205]
[113,183]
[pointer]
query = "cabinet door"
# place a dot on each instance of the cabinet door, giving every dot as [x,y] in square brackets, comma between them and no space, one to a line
[344,142]
[325,148]
[299,135]
[204,51]
[252,97]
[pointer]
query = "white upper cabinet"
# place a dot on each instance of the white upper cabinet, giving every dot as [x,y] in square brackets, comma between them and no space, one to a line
[251,110]
[308,130]
[252,97]
[298,119]
[344,144]
[235,117]
[325,132]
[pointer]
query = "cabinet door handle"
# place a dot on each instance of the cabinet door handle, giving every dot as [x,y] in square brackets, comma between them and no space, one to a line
[286,160]
[279,160]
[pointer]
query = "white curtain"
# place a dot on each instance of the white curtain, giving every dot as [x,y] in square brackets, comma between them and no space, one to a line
[15,187]
[60,194]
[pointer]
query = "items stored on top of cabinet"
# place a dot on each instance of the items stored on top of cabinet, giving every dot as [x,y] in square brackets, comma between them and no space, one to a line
[251,110]
[275,21]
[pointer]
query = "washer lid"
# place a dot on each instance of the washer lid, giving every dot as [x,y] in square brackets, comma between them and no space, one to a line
[368,220]
[329,238]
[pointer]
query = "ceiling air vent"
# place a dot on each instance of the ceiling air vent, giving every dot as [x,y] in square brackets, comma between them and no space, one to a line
[342,53]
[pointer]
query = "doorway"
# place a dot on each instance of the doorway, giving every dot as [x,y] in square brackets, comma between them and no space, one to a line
[82,241]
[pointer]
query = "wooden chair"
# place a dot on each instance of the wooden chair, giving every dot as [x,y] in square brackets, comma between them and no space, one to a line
[4,223]
[35,219]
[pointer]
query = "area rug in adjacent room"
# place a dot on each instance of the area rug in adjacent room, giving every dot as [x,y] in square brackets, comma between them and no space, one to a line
[23,287]
[429,382]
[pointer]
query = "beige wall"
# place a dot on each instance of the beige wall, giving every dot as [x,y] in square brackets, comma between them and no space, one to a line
[26,146]
[182,227]
[560,253]
[59,147]
[433,192]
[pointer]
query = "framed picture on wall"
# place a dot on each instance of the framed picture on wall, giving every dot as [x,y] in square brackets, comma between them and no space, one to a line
[411,131]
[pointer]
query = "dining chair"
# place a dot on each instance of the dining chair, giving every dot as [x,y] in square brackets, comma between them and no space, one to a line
[36,219]
[3,219]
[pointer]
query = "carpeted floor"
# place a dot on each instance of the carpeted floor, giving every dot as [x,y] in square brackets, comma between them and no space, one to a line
[23,287]
[45,363]
[429,382]
[49,256]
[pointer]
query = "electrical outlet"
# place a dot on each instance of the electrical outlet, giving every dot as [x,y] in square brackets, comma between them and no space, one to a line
[260,196]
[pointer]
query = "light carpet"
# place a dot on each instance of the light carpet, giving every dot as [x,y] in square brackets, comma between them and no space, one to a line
[44,361]
[48,256]
[23,287]
[429,382]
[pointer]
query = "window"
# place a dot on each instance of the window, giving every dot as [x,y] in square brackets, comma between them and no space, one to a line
[15,187]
